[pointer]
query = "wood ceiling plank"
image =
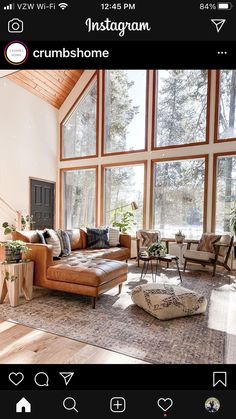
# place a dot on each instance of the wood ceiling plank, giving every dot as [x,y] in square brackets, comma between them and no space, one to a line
[59,92]
[57,82]
[53,86]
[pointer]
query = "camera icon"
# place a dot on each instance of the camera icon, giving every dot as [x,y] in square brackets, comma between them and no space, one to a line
[15,25]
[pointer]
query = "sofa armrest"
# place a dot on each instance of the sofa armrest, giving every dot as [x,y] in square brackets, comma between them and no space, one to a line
[125,240]
[42,256]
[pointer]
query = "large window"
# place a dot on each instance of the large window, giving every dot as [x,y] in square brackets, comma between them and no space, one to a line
[225,191]
[227,105]
[124,186]
[79,130]
[79,204]
[178,201]
[181,107]
[125,110]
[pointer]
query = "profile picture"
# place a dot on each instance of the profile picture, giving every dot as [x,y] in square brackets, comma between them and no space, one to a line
[212,405]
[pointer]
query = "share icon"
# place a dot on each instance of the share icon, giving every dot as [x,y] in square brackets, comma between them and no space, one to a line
[67,376]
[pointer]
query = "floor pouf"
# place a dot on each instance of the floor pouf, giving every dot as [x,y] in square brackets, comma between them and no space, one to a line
[166,301]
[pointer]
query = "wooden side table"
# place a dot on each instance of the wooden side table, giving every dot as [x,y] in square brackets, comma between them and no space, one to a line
[16,278]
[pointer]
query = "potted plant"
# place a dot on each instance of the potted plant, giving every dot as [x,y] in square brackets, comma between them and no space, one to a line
[179,236]
[157,249]
[13,250]
[26,224]
[125,223]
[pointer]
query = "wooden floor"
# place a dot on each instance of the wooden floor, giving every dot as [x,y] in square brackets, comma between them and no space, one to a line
[23,345]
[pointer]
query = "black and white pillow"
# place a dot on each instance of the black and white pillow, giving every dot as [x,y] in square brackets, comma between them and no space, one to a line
[65,242]
[52,238]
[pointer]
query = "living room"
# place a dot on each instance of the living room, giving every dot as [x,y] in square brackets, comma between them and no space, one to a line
[150,150]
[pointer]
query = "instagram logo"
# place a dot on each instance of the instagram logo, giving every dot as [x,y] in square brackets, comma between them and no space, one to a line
[16,52]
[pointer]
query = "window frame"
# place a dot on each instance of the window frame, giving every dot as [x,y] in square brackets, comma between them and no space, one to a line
[171,159]
[95,76]
[214,186]
[61,204]
[155,117]
[129,163]
[217,105]
[147,94]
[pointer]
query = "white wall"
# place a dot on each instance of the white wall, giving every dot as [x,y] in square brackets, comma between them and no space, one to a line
[28,145]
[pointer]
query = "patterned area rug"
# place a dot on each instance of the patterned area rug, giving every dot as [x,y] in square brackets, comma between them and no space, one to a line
[117,324]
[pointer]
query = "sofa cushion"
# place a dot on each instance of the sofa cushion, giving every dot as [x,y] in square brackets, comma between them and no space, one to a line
[91,272]
[78,238]
[113,236]
[115,253]
[97,238]
[166,301]
[65,242]
[198,255]
[52,238]
[207,241]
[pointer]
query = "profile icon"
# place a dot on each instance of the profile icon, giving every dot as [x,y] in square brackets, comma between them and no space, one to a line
[212,405]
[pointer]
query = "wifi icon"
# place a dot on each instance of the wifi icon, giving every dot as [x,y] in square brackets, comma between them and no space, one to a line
[63,6]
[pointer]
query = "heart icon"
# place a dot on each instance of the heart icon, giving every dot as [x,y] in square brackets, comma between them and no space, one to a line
[16,377]
[165,404]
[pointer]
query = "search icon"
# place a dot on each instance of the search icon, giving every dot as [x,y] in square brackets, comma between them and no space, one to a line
[69,404]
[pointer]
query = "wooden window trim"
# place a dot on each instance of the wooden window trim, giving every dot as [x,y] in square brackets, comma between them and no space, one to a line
[73,107]
[214,186]
[217,106]
[146,119]
[130,163]
[170,159]
[154,117]
[67,169]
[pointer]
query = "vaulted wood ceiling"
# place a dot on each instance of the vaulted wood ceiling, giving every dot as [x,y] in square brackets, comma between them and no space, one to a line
[53,86]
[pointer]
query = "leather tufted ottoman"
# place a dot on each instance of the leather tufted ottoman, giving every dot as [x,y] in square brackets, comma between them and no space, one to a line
[86,276]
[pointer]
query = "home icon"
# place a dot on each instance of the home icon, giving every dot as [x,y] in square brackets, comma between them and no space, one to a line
[23,406]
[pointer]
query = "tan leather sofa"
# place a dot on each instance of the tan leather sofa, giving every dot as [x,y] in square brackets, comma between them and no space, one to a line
[86,271]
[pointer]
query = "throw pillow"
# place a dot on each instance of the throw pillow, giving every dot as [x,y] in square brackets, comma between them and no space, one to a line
[113,236]
[207,242]
[97,238]
[78,238]
[65,242]
[52,238]
[165,301]
[41,237]
[148,238]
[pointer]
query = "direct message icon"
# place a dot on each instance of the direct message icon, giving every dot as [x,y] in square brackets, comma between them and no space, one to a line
[219,377]
[67,376]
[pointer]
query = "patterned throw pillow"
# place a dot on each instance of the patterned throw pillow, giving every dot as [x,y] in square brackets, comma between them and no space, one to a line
[113,237]
[52,238]
[97,238]
[165,301]
[148,238]
[65,242]
[207,242]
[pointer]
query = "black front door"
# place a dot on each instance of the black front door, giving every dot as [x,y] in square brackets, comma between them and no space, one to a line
[42,204]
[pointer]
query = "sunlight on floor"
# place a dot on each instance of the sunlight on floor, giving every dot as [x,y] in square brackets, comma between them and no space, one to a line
[5,326]
[222,312]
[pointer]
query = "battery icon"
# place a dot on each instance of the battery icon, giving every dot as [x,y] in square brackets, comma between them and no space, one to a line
[224,6]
